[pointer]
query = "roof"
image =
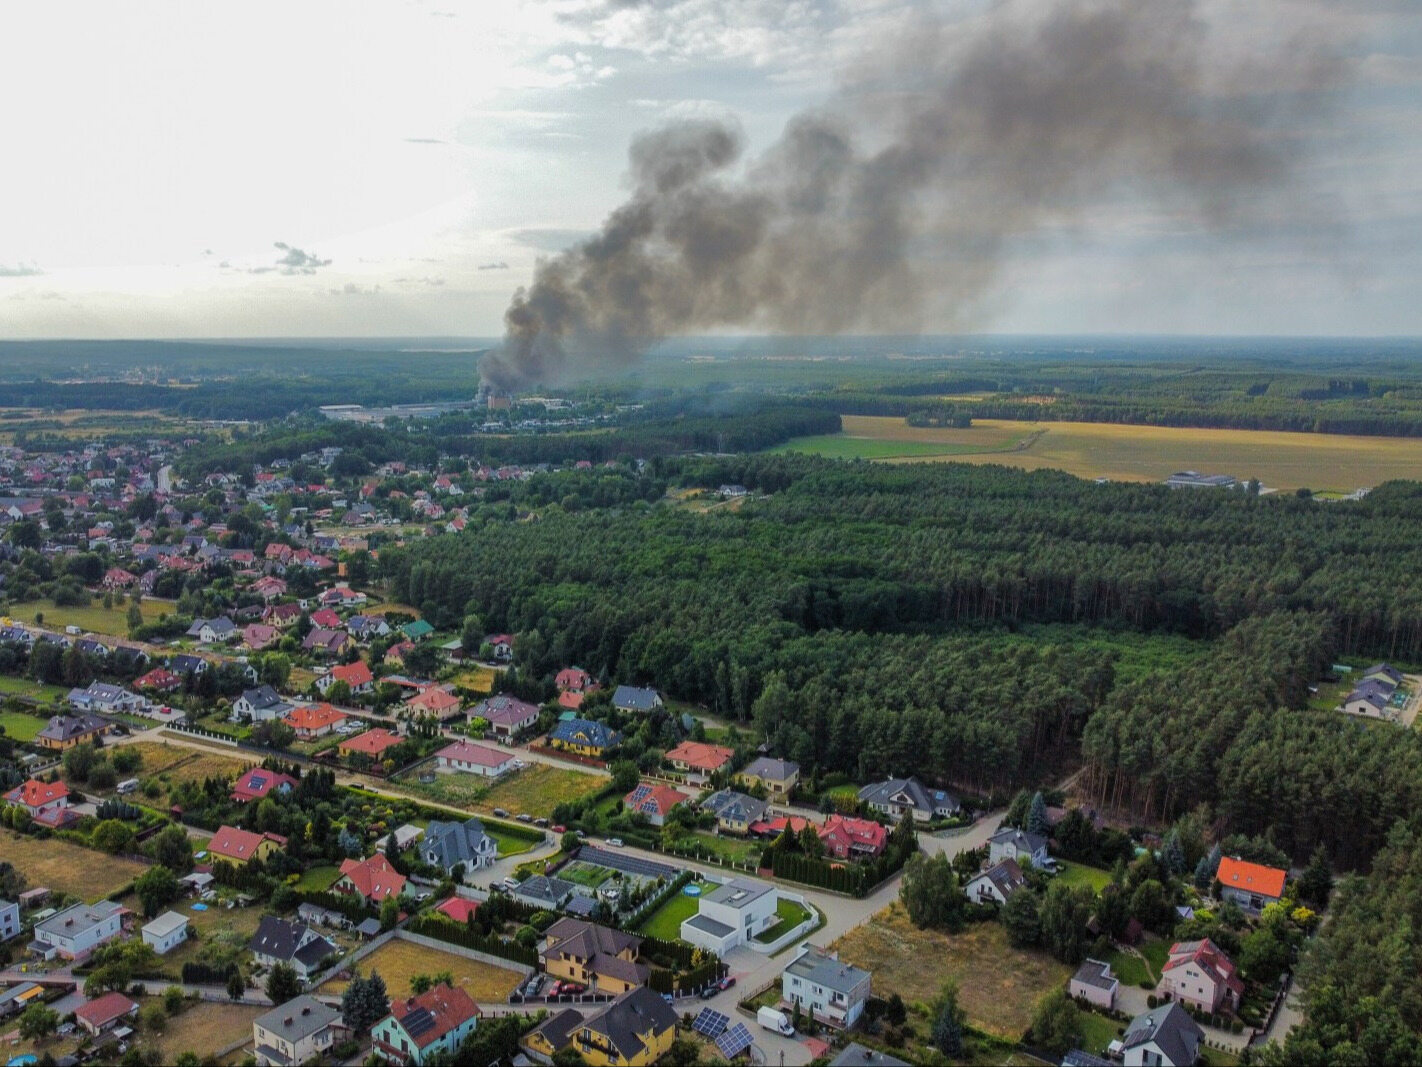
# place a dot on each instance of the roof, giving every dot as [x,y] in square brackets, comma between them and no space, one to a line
[1077,1058]
[372,742]
[374,878]
[479,755]
[774,770]
[1235,873]
[434,1013]
[35,794]
[558,1029]
[259,782]
[820,969]
[353,674]
[734,807]
[105,1009]
[701,756]
[504,710]
[738,893]
[1095,973]
[853,831]
[1171,1029]
[857,1055]
[573,937]
[544,889]
[434,698]
[1005,875]
[281,939]
[69,727]
[458,908]
[911,790]
[77,918]
[1022,840]
[710,925]
[448,843]
[264,696]
[653,799]
[635,698]
[231,842]
[640,1011]
[1210,958]
[314,717]
[586,732]
[298,1019]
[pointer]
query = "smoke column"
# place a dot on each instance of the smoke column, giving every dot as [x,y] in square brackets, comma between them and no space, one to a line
[910,182]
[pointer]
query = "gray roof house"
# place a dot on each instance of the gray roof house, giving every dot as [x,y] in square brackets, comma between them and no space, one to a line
[101,696]
[1010,843]
[894,796]
[735,811]
[541,891]
[820,982]
[995,884]
[447,844]
[634,698]
[856,1055]
[1163,1037]
[261,704]
[280,941]
[294,1032]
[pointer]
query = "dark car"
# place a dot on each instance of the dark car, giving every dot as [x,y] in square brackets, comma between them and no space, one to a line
[710,991]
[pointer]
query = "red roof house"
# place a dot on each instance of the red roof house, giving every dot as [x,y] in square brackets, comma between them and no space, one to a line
[372,743]
[372,879]
[653,800]
[457,908]
[260,782]
[1199,973]
[159,679]
[846,837]
[699,757]
[316,720]
[1251,885]
[39,797]
[104,1012]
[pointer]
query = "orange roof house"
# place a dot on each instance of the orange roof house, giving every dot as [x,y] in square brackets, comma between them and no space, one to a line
[240,846]
[435,701]
[653,800]
[372,880]
[699,757]
[318,720]
[1250,885]
[372,743]
[36,795]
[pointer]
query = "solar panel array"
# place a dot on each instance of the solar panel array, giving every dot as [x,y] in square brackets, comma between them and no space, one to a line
[639,794]
[734,1041]
[711,1023]
[417,1022]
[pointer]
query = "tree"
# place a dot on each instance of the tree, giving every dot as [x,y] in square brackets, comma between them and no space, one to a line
[1037,820]
[134,618]
[38,1022]
[895,1012]
[1019,917]
[152,1018]
[282,983]
[810,843]
[79,761]
[948,1022]
[172,848]
[1316,882]
[1172,854]
[113,836]
[1064,913]
[1056,1026]
[931,894]
[236,985]
[625,776]
[389,913]
[364,1002]
[1150,905]
[569,841]
[156,888]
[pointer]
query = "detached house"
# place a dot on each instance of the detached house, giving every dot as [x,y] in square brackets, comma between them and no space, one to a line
[849,838]
[601,958]
[329,643]
[313,721]
[1010,843]
[474,759]
[436,701]
[732,914]
[356,675]
[1199,973]
[293,943]
[65,731]
[100,696]
[435,1022]
[259,783]
[1250,885]
[819,982]
[447,845]
[635,1030]
[240,846]
[695,757]
[777,776]
[735,812]
[996,884]
[635,698]
[584,737]
[653,800]
[895,796]
[76,931]
[261,704]
[299,1030]
[47,802]
[507,716]
[371,879]
[1165,1036]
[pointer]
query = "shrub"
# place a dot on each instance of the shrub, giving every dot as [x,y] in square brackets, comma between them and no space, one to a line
[1152,1001]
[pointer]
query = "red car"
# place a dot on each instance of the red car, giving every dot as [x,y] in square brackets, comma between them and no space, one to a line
[559,829]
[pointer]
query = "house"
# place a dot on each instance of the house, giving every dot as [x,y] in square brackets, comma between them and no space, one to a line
[732,914]
[543,892]
[315,720]
[834,991]
[845,837]
[294,943]
[1010,843]
[634,698]
[373,743]
[159,680]
[331,644]
[1371,699]
[473,759]
[501,646]
[1094,983]
[100,696]
[778,777]
[573,680]
[1385,673]
[80,928]
[261,704]
[601,958]
[257,783]
[9,920]
[436,701]
[996,884]
[1250,885]
[1199,973]
[185,663]
[213,631]
[856,1055]
[242,846]
[315,915]
[507,716]
[282,616]
[770,829]
[552,1035]
[735,812]
[653,800]
[365,627]
[584,737]
[370,879]
[166,932]
[695,757]
[65,731]
[299,1030]
[104,1013]
[47,802]
[457,908]
[895,796]
[435,1022]
[635,1030]
[356,675]
[1165,1036]
[269,588]
[446,845]
[326,619]
[417,630]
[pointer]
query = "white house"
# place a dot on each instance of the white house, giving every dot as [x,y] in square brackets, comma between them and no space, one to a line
[166,932]
[1013,844]
[996,884]
[77,930]
[894,796]
[1163,1037]
[731,915]
[474,759]
[261,704]
[1094,983]
[9,920]
[294,1032]
[819,982]
[100,696]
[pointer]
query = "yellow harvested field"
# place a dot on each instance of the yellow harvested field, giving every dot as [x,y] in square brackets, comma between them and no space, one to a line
[998,986]
[205,1029]
[476,679]
[398,961]
[1152,453]
[180,763]
[65,867]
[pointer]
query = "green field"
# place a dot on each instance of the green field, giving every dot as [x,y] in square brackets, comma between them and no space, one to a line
[588,874]
[1081,874]
[91,619]
[789,915]
[666,921]
[1132,453]
[19,726]
[23,687]
[318,879]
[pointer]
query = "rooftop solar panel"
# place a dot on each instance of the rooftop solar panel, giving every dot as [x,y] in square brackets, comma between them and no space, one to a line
[734,1041]
[711,1023]
[417,1022]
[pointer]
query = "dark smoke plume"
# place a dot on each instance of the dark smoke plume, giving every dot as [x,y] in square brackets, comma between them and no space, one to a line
[914,179]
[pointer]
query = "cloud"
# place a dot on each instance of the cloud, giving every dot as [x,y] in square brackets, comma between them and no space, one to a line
[19,270]
[501,265]
[298,261]
[428,282]
[548,239]
[352,289]
[424,140]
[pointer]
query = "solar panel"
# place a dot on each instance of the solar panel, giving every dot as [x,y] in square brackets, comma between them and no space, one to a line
[734,1041]
[711,1023]
[639,794]
[417,1022]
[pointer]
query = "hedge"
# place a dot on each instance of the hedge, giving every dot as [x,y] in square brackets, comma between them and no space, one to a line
[442,928]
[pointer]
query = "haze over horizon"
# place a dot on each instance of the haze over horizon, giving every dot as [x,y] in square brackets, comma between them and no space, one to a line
[185,172]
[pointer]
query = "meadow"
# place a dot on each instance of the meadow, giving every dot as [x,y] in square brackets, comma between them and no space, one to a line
[67,868]
[398,961]
[94,618]
[534,790]
[1133,453]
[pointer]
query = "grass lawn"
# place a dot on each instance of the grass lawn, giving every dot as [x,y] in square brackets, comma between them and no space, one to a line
[666,921]
[731,849]
[1097,1032]
[588,874]
[789,915]
[892,438]
[203,1028]
[1157,951]
[999,986]
[1130,970]
[94,618]
[65,867]
[171,765]
[1080,874]
[398,961]
[318,879]
[536,789]
[230,926]
[21,727]
[476,679]
[23,687]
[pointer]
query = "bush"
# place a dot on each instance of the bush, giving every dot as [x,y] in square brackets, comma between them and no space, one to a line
[1146,984]
[1152,1000]
[1236,1026]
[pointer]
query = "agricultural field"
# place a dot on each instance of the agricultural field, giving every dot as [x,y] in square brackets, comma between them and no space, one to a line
[398,961]
[666,921]
[93,618]
[1134,453]
[68,868]
[998,986]
[19,726]
[203,1028]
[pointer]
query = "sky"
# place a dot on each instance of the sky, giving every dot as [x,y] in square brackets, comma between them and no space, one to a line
[356,168]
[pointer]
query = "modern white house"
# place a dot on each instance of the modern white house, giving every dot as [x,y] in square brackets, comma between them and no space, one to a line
[77,930]
[474,759]
[9,920]
[295,1032]
[100,696]
[166,932]
[261,704]
[819,982]
[732,914]
[895,796]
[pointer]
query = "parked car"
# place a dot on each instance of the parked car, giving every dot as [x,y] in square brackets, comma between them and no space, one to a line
[501,813]
[727,982]
[524,816]
[559,829]
[615,842]
[540,823]
[710,991]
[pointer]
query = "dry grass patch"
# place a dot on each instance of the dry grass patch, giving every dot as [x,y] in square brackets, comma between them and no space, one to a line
[476,679]
[158,756]
[65,867]
[398,961]
[204,1028]
[999,986]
